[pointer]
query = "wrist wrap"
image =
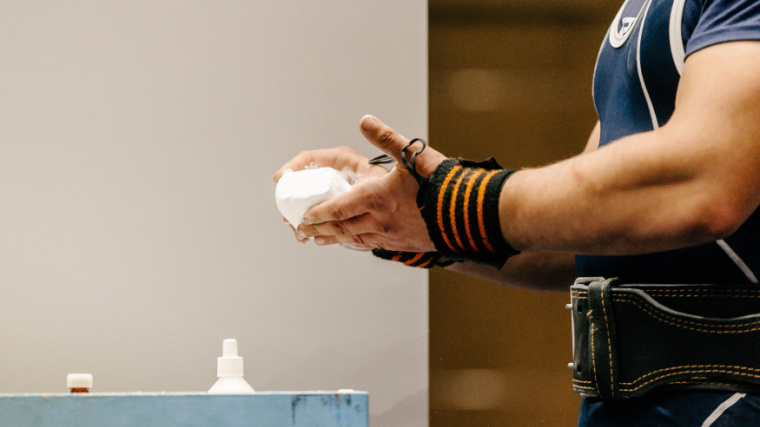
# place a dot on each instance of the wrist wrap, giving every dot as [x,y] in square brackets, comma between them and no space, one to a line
[460,205]
[413,259]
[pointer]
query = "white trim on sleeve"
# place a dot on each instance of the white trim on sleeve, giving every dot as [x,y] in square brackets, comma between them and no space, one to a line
[655,123]
[731,401]
[737,260]
[677,49]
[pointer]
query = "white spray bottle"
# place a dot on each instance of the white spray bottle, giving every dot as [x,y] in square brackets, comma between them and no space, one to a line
[229,369]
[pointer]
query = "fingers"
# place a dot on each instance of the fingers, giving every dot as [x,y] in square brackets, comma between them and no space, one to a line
[356,247]
[295,232]
[391,143]
[362,242]
[360,200]
[359,225]
[336,158]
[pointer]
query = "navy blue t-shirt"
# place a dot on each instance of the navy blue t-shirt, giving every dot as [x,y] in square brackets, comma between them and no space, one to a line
[635,85]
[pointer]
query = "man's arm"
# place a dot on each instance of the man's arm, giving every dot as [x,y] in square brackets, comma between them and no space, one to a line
[694,180]
[539,271]
[549,271]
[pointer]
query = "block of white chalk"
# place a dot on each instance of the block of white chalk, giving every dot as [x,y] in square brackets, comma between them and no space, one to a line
[297,192]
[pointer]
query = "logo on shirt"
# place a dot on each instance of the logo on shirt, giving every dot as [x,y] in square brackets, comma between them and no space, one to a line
[625,21]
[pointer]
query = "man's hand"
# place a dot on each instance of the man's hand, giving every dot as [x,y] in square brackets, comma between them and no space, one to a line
[337,158]
[380,212]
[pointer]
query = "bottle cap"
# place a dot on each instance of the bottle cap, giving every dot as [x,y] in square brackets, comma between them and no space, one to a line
[230,364]
[79,381]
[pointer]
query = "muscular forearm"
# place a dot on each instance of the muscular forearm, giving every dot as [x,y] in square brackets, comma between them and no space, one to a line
[634,196]
[619,200]
[692,181]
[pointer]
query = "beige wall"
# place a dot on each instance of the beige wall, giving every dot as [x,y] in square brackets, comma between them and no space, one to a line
[137,221]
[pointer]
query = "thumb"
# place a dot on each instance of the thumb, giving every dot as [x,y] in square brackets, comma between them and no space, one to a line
[383,137]
[391,143]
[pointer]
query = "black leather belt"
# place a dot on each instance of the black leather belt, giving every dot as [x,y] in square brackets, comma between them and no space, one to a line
[629,339]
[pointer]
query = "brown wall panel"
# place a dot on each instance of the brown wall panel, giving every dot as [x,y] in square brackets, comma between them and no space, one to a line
[509,79]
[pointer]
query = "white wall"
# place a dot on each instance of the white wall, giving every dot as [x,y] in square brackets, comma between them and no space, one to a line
[137,219]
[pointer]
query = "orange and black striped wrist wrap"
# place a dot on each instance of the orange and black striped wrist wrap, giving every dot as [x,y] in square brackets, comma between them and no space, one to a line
[460,205]
[413,259]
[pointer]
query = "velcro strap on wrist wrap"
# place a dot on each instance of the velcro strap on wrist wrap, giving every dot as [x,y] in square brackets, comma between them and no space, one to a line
[460,205]
[413,259]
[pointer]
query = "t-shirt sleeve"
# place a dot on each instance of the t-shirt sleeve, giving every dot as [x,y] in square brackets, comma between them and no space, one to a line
[724,21]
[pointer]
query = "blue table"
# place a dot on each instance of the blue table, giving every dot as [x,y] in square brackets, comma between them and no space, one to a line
[276,409]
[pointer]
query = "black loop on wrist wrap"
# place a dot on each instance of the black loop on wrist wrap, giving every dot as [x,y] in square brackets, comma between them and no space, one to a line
[460,205]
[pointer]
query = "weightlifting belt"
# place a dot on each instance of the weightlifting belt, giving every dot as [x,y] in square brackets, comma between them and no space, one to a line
[629,339]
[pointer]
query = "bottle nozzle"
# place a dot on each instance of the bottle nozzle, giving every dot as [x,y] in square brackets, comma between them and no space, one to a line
[229,348]
[230,364]
[229,369]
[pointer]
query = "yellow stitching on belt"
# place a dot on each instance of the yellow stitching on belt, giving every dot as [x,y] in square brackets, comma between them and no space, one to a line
[701,293]
[593,361]
[578,386]
[696,289]
[690,293]
[680,323]
[709,291]
[656,295]
[718,371]
[703,383]
[583,387]
[730,367]
[609,345]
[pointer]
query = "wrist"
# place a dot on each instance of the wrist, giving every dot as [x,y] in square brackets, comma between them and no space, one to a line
[460,206]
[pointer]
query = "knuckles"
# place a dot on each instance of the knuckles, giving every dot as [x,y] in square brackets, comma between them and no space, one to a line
[376,203]
[358,240]
[345,150]
[339,228]
[338,213]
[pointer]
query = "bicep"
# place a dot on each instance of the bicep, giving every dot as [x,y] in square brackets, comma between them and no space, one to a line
[717,120]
